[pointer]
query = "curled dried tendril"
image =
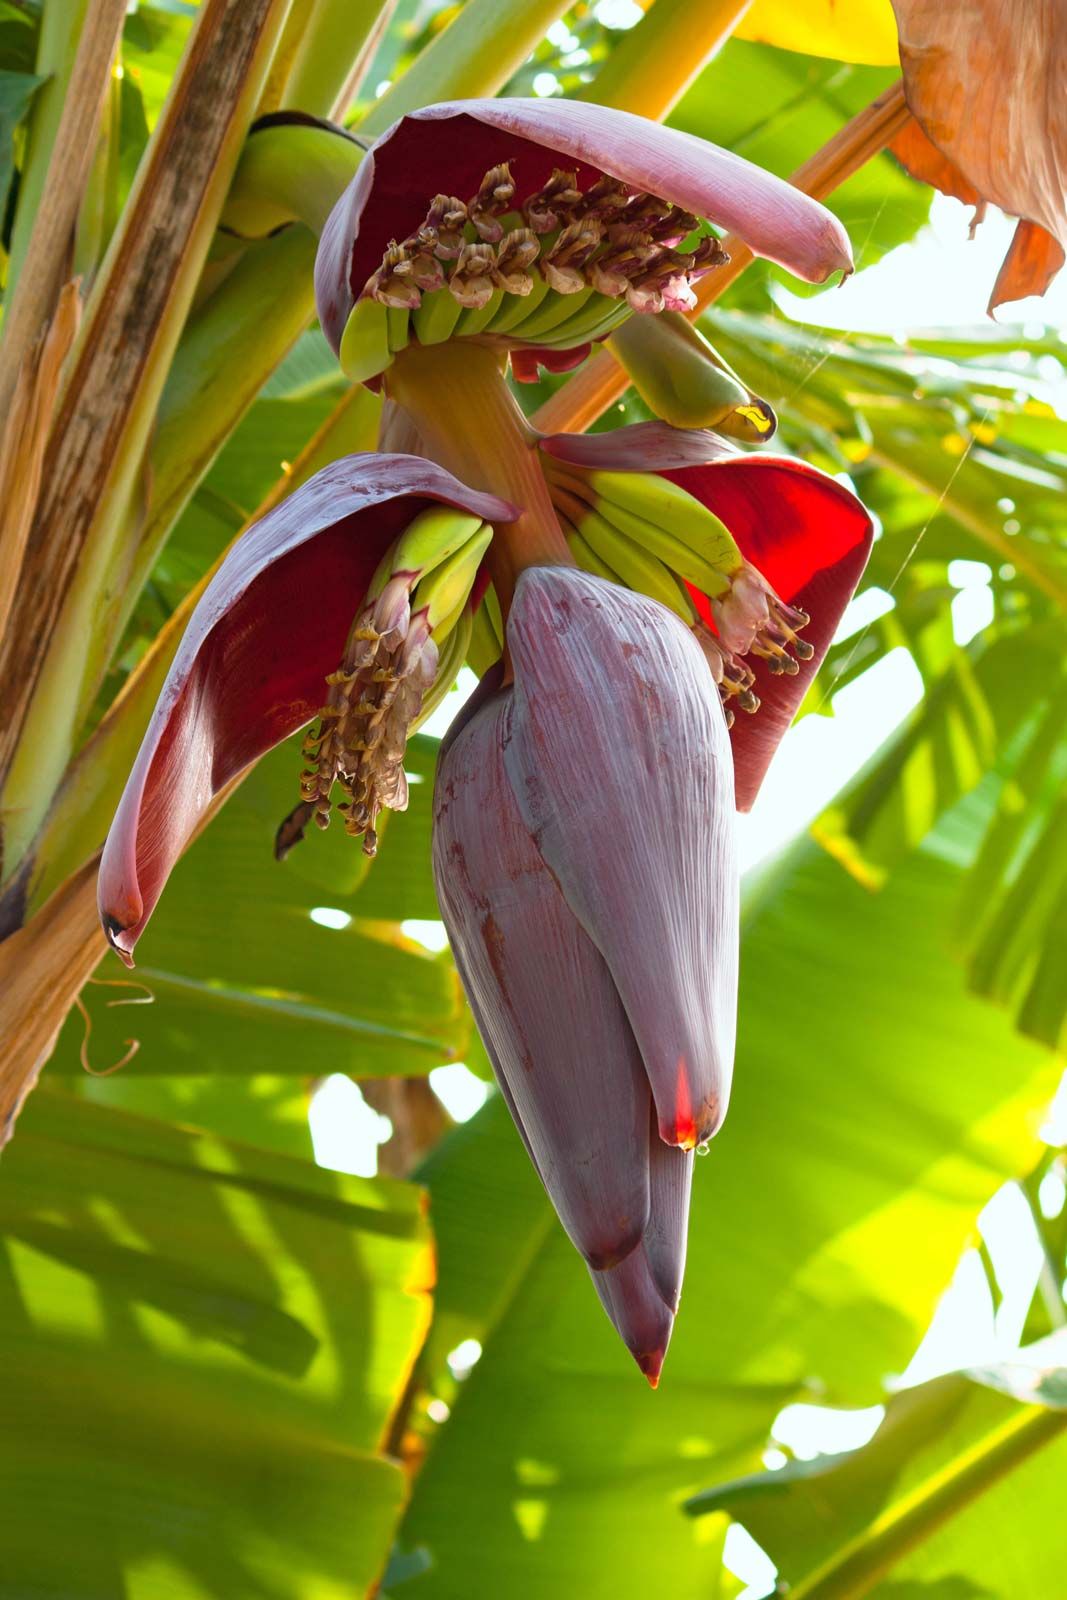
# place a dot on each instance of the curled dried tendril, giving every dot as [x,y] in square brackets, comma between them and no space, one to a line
[145,998]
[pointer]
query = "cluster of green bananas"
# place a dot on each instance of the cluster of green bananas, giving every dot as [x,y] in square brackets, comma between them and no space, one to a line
[643,531]
[375,333]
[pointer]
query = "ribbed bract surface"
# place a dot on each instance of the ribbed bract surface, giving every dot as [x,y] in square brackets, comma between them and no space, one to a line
[585,867]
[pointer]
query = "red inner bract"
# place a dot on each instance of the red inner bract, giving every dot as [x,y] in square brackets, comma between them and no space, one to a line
[767,506]
[420,161]
[810,538]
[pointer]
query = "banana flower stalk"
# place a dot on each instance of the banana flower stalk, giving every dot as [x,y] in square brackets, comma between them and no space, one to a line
[344,603]
[585,869]
[538,226]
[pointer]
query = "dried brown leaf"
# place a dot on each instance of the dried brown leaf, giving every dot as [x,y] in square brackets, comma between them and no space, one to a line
[987,83]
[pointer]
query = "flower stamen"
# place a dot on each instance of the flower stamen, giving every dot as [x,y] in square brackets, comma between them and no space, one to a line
[620,243]
[446,218]
[494,196]
[518,250]
[751,618]
[552,206]
[393,284]
[374,696]
[733,677]
[473,276]
[562,265]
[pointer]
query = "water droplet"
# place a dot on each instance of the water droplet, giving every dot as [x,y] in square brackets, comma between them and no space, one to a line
[703,1147]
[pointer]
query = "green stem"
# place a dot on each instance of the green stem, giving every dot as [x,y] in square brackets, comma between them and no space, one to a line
[855,1569]
[654,64]
[469,421]
[239,317]
[482,47]
[92,472]
[57,46]
[334,53]
[289,172]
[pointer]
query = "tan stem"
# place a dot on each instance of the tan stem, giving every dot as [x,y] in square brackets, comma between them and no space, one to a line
[49,254]
[24,436]
[653,65]
[419,1121]
[105,413]
[468,421]
[600,382]
[43,967]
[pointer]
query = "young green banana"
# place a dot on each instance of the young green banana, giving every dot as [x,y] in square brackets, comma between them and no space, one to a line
[539,324]
[472,321]
[428,541]
[636,566]
[514,307]
[682,378]
[434,321]
[656,512]
[444,590]
[365,348]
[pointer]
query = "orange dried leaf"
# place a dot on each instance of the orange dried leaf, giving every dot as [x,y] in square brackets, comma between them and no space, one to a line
[987,83]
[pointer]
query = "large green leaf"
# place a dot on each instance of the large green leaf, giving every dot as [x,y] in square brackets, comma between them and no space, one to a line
[202,1345]
[958,459]
[876,1108]
[245,981]
[960,1484]
[153,39]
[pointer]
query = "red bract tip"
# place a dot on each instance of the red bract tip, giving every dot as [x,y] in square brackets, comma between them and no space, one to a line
[651,1365]
[684,1133]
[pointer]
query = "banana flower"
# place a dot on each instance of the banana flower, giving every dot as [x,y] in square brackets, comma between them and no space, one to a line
[335,605]
[538,226]
[759,553]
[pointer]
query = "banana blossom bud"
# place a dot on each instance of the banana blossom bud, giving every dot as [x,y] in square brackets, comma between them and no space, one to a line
[333,605]
[585,867]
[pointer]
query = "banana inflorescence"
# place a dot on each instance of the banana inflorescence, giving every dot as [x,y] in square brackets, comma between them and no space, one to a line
[554,270]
